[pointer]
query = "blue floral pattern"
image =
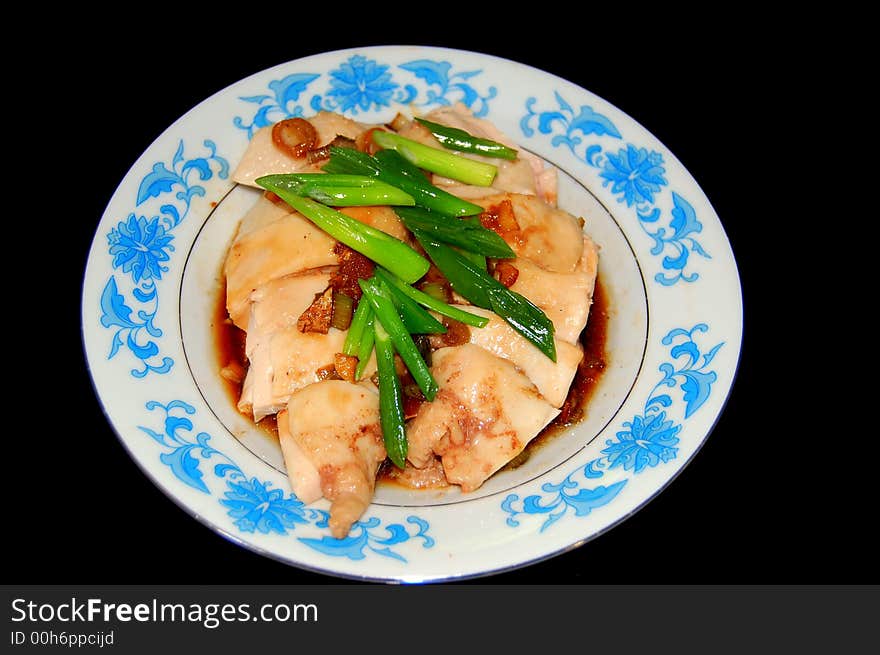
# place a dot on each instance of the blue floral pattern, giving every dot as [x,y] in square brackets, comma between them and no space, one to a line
[636,176]
[254,506]
[258,508]
[649,439]
[141,246]
[138,246]
[446,87]
[360,84]
[280,104]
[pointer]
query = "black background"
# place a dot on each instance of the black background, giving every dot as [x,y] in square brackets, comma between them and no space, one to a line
[767,500]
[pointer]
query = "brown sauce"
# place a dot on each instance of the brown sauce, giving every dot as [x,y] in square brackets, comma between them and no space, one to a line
[586,379]
[230,347]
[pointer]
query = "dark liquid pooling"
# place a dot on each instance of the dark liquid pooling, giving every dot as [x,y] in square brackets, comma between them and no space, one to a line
[230,347]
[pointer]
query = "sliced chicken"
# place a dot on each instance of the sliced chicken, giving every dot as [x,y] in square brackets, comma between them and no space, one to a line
[299,358]
[281,358]
[589,262]
[275,307]
[429,477]
[263,157]
[263,213]
[565,297]
[335,435]
[549,237]
[273,244]
[552,379]
[304,477]
[485,413]
[526,174]
[381,217]
[496,390]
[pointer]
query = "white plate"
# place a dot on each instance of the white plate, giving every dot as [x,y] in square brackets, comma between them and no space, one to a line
[674,333]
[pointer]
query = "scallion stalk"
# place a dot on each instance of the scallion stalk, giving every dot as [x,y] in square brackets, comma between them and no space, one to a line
[386,314]
[343,190]
[485,291]
[431,302]
[416,319]
[464,233]
[382,248]
[356,329]
[390,167]
[391,416]
[460,140]
[366,346]
[436,160]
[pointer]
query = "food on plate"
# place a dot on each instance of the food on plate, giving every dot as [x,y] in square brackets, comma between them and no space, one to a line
[412,297]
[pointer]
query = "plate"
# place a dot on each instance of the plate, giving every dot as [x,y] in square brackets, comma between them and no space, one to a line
[674,330]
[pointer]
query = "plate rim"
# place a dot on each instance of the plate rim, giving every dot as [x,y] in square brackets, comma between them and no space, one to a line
[228,534]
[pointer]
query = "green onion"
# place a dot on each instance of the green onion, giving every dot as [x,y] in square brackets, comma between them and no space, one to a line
[327,180]
[438,161]
[356,329]
[464,233]
[390,167]
[366,345]
[348,161]
[476,258]
[435,290]
[343,308]
[343,190]
[391,416]
[525,317]
[464,276]
[415,319]
[485,291]
[382,248]
[386,314]
[456,139]
[430,301]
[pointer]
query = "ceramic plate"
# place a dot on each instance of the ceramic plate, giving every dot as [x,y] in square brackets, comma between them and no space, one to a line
[673,342]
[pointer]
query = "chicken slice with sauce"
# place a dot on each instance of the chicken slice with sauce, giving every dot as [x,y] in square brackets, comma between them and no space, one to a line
[263,157]
[549,237]
[332,444]
[273,242]
[552,379]
[381,217]
[527,174]
[485,413]
[281,358]
[565,297]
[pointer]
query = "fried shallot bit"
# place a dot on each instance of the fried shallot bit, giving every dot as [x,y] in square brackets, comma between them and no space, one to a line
[352,267]
[322,153]
[501,219]
[345,366]
[457,333]
[295,136]
[506,273]
[327,372]
[318,315]
[411,406]
[399,122]
[364,142]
